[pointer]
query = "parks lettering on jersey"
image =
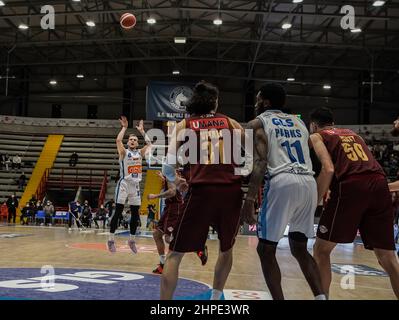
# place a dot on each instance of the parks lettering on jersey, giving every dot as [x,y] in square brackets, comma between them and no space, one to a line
[288,133]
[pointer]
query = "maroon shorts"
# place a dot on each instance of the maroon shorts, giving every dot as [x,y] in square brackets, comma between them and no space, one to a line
[363,203]
[169,218]
[218,206]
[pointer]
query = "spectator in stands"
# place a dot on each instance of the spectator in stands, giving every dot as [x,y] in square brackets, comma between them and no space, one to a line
[33,200]
[378,152]
[86,214]
[39,205]
[16,162]
[6,161]
[125,219]
[371,148]
[12,204]
[4,211]
[395,129]
[73,160]
[396,147]
[48,212]
[110,206]
[1,161]
[151,214]
[101,215]
[27,214]
[21,181]
[74,213]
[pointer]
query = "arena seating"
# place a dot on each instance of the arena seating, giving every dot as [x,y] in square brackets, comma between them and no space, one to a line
[29,148]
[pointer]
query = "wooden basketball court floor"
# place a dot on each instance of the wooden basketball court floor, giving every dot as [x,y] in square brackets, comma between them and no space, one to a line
[33,247]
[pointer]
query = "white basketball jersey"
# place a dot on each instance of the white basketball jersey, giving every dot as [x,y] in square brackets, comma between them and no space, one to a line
[131,167]
[288,148]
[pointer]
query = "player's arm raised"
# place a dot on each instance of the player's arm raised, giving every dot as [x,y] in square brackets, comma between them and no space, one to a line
[121,135]
[327,166]
[258,172]
[147,140]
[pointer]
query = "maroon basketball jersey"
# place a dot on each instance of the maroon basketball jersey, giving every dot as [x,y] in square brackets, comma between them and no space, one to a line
[349,153]
[207,170]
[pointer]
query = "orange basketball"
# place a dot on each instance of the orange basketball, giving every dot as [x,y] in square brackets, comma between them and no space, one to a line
[128,21]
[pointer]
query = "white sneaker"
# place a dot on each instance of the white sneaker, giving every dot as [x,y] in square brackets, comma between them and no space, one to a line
[70,229]
[49,224]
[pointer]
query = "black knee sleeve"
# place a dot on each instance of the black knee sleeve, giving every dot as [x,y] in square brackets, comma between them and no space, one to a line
[297,236]
[298,245]
[267,242]
[266,247]
[134,219]
[115,217]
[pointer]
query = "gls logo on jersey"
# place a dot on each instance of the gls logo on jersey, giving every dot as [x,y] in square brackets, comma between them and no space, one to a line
[83,284]
[285,123]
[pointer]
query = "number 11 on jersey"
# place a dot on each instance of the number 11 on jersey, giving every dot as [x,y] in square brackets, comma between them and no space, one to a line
[298,149]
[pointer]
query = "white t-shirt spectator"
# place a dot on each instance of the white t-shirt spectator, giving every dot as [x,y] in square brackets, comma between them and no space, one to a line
[16,159]
[396,147]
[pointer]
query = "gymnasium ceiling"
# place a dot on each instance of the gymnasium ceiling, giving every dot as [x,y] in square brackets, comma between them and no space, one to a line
[249,45]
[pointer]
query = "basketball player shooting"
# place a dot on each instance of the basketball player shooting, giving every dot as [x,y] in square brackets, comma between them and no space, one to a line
[128,186]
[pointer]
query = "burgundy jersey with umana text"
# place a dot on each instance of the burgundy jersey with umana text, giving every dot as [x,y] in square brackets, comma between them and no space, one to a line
[349,153]
[214,144]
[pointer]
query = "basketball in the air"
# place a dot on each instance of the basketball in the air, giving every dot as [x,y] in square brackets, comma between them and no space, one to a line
[128,21]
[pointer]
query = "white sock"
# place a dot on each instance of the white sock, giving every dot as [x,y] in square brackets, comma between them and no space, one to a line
[321,297]
[162,258]
[111,237]
[132,237]
[216,294]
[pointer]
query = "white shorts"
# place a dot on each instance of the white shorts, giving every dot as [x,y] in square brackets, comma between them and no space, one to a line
[288,199]
[129,190]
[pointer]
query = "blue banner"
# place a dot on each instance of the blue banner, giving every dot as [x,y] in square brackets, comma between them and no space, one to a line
[167,100]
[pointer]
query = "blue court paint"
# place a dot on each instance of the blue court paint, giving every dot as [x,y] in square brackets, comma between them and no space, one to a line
[86,284]
[202,296]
